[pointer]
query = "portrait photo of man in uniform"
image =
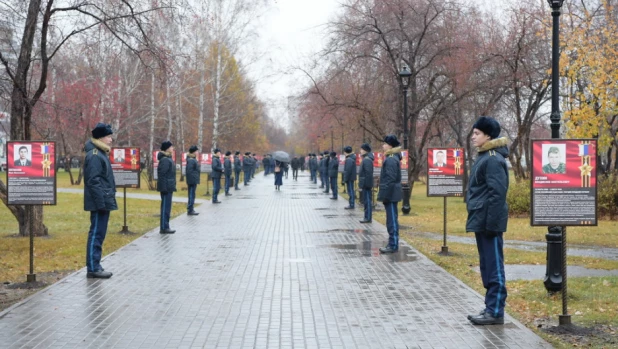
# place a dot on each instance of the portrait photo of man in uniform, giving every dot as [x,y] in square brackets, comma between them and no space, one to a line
[439,158]
[23,156]
[119,156]
[555,159]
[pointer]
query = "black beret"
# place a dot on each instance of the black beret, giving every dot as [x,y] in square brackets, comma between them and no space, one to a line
[193,149]
[228,153]
[391,140]
[101,130]
[366,147]
[488,126]
[166,145]
[347,149]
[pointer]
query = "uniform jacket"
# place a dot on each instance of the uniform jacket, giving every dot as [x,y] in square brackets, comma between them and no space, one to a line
[237,164]
[313,163]
[217,168]
[487,187]
[227,166]
[247,163]
[365,175]
[349,168]
[166,173]
[99,184]
[322,165]
[333,167]
[266,162]
[390,177]
[192,170]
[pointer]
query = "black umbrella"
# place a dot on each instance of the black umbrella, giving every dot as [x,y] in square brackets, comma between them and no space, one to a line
[281,156]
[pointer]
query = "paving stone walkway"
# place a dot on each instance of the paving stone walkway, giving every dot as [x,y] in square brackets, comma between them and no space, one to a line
[264,269]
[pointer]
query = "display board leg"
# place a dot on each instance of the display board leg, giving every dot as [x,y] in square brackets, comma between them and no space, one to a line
[444,250]
[125,227]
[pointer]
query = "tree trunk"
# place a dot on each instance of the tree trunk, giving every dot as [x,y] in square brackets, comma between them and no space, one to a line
[200,121]
[217,97]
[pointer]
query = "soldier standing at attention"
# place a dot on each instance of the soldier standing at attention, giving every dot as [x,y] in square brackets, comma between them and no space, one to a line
[193,179]
[99,196]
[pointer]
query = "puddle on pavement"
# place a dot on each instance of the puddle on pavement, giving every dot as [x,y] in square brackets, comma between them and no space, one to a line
[351,231]
[368,249]
[323,209]
[245,197]
[331,215]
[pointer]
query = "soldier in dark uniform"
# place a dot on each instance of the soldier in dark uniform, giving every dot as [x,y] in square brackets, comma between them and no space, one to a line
[349,175]
[237,169]
[321,169]
[390,192]
[193,179]
[302,163]
[365,181]
[488,215]
[217,171]
[326,177]
[246,166]
[99,196]
[166,184]
[227,171]
[554,165]
[333,172]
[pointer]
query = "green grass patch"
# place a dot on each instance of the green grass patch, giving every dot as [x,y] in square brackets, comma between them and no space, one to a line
[68,224]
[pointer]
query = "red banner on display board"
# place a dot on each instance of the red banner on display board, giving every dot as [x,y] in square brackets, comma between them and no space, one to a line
[564,182]
[31,175]
[445,171]
[125,165]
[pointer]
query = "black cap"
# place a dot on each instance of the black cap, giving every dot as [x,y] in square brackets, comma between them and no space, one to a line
[333,154]
[228,153]
[237,153]
[347,149]
[366,147]
[391,140]
[101,130]
[166,145]
[193,149]
[217,150]
[488,126]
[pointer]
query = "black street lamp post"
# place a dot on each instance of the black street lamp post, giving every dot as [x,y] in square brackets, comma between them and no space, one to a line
[553,275]
[405,74]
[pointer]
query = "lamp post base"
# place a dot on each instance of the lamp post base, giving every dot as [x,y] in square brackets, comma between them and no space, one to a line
[405,209]
[553,274]
[30,277]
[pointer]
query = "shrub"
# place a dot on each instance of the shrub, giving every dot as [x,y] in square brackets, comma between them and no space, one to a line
[607,194]
[518,198]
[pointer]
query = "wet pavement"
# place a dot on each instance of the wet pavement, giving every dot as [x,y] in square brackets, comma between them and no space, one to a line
[263,269]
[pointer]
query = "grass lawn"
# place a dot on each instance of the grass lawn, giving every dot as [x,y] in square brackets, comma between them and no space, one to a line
[65,247]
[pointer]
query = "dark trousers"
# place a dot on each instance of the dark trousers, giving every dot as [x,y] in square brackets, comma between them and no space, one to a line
[166,209]
[321,179]
[314,176]
[295,173]
[367,204]
[216,186]
[247,176]
[350,188]
[237,178]
[266,170]
[191,202]
[392,224]
[326,182]
[333,186]
[228,183]
[491,262]
[96,236]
